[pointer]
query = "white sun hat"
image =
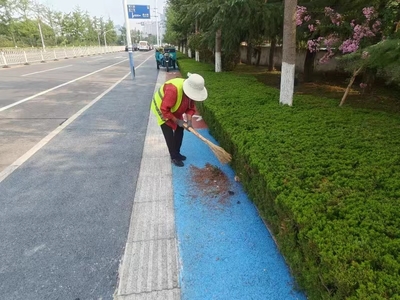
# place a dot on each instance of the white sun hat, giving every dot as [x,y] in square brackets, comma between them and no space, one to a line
[194,88]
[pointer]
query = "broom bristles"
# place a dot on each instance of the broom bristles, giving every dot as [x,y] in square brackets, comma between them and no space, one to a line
[223,156]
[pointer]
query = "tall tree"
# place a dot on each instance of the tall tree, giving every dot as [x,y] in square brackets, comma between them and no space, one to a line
[78,25]
[8,9]
[110,33]
[38,12]
[49,17]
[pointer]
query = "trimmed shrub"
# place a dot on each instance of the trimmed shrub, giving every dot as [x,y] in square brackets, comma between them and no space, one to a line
[326,180]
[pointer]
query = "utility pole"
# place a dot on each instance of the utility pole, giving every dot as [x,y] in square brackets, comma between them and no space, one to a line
[288,53]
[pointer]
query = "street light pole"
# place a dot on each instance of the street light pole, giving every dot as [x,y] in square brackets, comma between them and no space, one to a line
[128,39]
[38,9]
[105,37]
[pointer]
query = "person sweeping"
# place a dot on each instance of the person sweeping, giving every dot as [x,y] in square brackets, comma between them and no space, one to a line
[174,99]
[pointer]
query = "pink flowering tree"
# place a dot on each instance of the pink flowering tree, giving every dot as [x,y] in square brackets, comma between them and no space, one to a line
[334,34]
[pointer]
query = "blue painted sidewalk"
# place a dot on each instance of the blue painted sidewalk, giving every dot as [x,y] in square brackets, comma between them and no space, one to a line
[225,249]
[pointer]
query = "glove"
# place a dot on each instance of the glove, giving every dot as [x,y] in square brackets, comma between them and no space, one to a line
[189,124]
[180,123]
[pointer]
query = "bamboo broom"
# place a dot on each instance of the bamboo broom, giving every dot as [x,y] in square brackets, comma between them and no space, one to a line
[223,156]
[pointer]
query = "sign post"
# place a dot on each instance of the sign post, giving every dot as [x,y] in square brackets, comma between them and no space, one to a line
[133,12]
[128,39]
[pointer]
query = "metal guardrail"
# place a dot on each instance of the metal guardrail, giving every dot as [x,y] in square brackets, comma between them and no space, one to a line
[27,56]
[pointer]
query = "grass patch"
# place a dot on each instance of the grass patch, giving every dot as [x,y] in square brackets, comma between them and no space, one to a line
[332,85]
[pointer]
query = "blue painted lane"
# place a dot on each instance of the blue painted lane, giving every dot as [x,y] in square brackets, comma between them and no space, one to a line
[225,249]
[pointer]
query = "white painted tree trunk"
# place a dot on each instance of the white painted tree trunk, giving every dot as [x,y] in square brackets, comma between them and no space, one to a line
[218,46]
[218,67]
[288,53]
[287,83]
[196,52]
[190,53]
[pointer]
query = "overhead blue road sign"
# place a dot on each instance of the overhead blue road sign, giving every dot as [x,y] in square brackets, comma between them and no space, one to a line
[139,11]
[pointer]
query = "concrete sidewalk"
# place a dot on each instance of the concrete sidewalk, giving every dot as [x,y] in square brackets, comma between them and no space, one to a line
[149,268]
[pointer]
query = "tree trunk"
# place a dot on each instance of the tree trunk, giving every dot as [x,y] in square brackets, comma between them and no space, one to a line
[289,53]
[271,65]
[355,73]
[13,38]
[309,66]
[218,46]
[196,30]
[249,52]
[369,77]
[258,56]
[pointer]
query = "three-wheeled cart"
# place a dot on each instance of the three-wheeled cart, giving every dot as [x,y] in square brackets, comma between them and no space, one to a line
[166,58]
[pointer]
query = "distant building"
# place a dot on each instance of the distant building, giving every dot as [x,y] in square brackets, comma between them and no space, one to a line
[150,27]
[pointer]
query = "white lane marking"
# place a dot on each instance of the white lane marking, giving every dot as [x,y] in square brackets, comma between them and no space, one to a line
[46,70]
[57,87]
[101,58]
[16,164]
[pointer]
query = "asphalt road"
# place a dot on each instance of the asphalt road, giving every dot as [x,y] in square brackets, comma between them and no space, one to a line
[65,206]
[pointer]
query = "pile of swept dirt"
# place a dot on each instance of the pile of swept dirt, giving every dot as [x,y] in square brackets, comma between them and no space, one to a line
[211,185]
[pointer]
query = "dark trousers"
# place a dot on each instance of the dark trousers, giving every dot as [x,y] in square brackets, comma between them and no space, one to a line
[173,138]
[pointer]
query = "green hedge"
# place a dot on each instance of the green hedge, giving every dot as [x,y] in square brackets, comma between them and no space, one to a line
[326,179]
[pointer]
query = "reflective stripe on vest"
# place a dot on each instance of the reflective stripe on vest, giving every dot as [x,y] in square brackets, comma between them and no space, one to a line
[159,95]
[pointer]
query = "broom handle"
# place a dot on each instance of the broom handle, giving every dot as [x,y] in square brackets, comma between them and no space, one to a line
[192,130]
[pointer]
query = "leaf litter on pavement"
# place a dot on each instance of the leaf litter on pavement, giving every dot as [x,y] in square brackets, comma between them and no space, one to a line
[210,185]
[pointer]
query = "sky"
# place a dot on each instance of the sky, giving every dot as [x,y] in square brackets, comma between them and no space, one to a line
[105,8]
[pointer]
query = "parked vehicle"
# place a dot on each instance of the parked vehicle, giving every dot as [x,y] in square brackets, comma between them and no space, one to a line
[134,47]
[166,57]
[144,46]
